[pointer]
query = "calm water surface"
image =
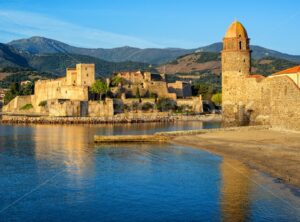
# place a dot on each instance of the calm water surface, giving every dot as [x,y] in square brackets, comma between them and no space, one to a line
[56,173]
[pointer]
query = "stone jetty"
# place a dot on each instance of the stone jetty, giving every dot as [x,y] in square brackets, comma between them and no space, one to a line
[130,138]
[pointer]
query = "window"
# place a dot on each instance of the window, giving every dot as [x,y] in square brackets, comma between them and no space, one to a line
[240,45]
[84,82]
[87,75]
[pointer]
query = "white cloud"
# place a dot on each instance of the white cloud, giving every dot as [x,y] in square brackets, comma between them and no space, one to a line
[27,24]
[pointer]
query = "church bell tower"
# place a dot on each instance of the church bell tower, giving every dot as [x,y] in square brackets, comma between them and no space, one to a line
[236,67]
[236,52]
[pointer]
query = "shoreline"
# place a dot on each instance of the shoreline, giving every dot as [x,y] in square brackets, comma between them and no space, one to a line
[271,151]
[117,119]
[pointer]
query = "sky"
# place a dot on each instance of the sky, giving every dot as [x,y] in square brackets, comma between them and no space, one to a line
[273,24]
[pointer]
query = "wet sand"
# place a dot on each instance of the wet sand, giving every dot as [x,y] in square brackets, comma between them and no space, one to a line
[271,151]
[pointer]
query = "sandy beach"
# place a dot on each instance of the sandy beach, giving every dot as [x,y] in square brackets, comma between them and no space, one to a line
[268,150]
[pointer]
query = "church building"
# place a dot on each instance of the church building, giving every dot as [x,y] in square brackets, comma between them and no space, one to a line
[250,99]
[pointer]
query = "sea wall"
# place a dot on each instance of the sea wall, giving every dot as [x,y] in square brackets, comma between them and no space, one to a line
[17,103]
[119,118]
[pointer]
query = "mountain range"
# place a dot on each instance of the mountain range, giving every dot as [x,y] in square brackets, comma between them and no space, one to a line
[53,57]
[41,45]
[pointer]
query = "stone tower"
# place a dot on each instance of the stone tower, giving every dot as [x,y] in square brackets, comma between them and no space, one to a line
[82,75]
[85,74]
[236,65]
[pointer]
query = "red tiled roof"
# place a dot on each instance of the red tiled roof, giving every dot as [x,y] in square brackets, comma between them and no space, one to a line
[294,69]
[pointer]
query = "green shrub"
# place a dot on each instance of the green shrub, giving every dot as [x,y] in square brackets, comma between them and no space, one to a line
[9,96]
[184,109]
[135,106]
[147,106]
[26,107]
[165,104]
[217,98]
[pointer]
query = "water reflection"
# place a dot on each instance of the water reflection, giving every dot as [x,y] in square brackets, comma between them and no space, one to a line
[129,182]
[64,145]
[235,191]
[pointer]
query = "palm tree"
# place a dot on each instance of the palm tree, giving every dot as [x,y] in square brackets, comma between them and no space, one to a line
[99,87]
[116,80]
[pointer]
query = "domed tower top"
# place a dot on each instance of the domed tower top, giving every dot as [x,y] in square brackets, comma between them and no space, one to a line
[236,38]
[236,30]
[236,53]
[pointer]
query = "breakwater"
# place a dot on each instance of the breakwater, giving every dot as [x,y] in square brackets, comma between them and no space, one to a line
[138,118]
[129,138]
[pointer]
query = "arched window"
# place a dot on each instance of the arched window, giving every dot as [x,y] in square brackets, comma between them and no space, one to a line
[240,45]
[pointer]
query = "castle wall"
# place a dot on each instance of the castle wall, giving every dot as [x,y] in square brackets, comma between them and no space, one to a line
[58,107]
[181,89]
[273,101]
[57,89]
[194,102]
[281,102]
[294,76]
[160,88]
[17,103]
[134,77]
[101,109]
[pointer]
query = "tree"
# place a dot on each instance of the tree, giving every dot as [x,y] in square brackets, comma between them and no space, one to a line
[14,90]
[147,106]
[27,89]
[135,106]
[99,87]
[138,94]
[165,104]
[204,89]
[8,97]
[217,98]
[116,80]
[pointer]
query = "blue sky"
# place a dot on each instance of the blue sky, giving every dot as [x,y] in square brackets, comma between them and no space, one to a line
[151,23]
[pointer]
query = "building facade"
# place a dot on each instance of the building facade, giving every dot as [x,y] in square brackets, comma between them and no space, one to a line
[147,83]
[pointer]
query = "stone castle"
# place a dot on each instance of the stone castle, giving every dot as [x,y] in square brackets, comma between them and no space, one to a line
[69,96]
[252,98]
[151,83]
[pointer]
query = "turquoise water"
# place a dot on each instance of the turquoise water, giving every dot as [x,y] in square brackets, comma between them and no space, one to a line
[56,173]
